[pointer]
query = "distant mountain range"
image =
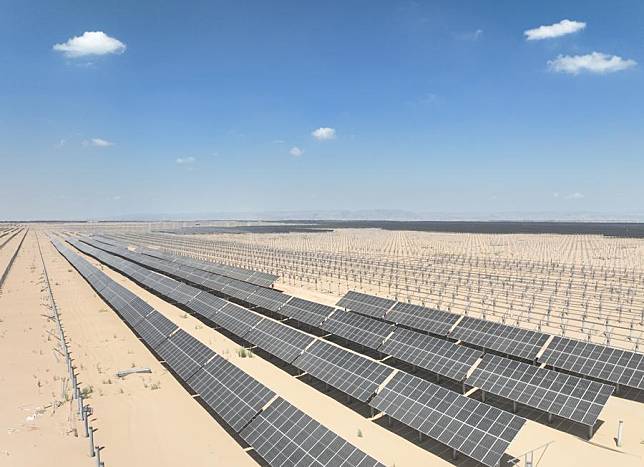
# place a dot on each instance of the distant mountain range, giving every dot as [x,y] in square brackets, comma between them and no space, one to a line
[387,215]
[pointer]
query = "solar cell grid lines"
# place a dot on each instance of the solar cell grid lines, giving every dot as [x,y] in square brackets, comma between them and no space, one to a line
[357,328]
[154,329]
[570,397]
[366,304]
[183,293]
[238,289]
[475,429]
[184,354]
[596,361]
[268,298]
[279,339]
[436,355]
[419,317]
[349,372]
[232,394]
[305,311]
[206,304]
[509,340]
[285,436]
[236,319]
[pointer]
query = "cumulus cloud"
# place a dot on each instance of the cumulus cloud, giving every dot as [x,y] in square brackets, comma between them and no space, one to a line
[98,142]
[295,151]
[323,134]
[595,62]
[90,43]
[186,160]
[561,28]
[575,195]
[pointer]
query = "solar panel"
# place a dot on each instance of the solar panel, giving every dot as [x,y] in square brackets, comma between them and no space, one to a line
[206,304]
[183,293]
[134,311]
[231,393]
[216,283]
[349,372]
[268,298]
[570,397]
[366,304]
[419,317]
[305,311]
[285,436]
[436,355]
[254,277]
[236,319]
[262,278]
[184,354]
[155,329]
[357,328]
[278,339]
[509,340]
[597,361]
[238,289]
[475,429]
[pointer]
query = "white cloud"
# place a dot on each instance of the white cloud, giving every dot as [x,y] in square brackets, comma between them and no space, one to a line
[295,151]
[554,30]
[278,141]
[469,35]
[116,197]
[186,160]
[595,62]
[323,134]
[90,43]
[98,142]
[575,195]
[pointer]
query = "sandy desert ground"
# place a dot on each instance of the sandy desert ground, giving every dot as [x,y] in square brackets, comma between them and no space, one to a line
[150,419]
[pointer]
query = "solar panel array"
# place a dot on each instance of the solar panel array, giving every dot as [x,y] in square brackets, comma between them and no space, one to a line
[495,336]
[255,277]
[556,393]
[277,339]
[419,317]
[307,312]
[351,373]
[597,361]
[436,355]
[155,329]
[285,436]
[233,395]
[184,354]
[369,305]
[477,430]
[357,328]
[509,340]
[268,298]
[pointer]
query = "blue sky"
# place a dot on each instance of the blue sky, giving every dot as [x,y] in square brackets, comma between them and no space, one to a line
[441,106]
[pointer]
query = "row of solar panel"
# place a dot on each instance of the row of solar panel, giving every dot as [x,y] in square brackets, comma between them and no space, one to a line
[222,284]
[592,360]
[254,277]
[359,376]
[280,433]
[544,389]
